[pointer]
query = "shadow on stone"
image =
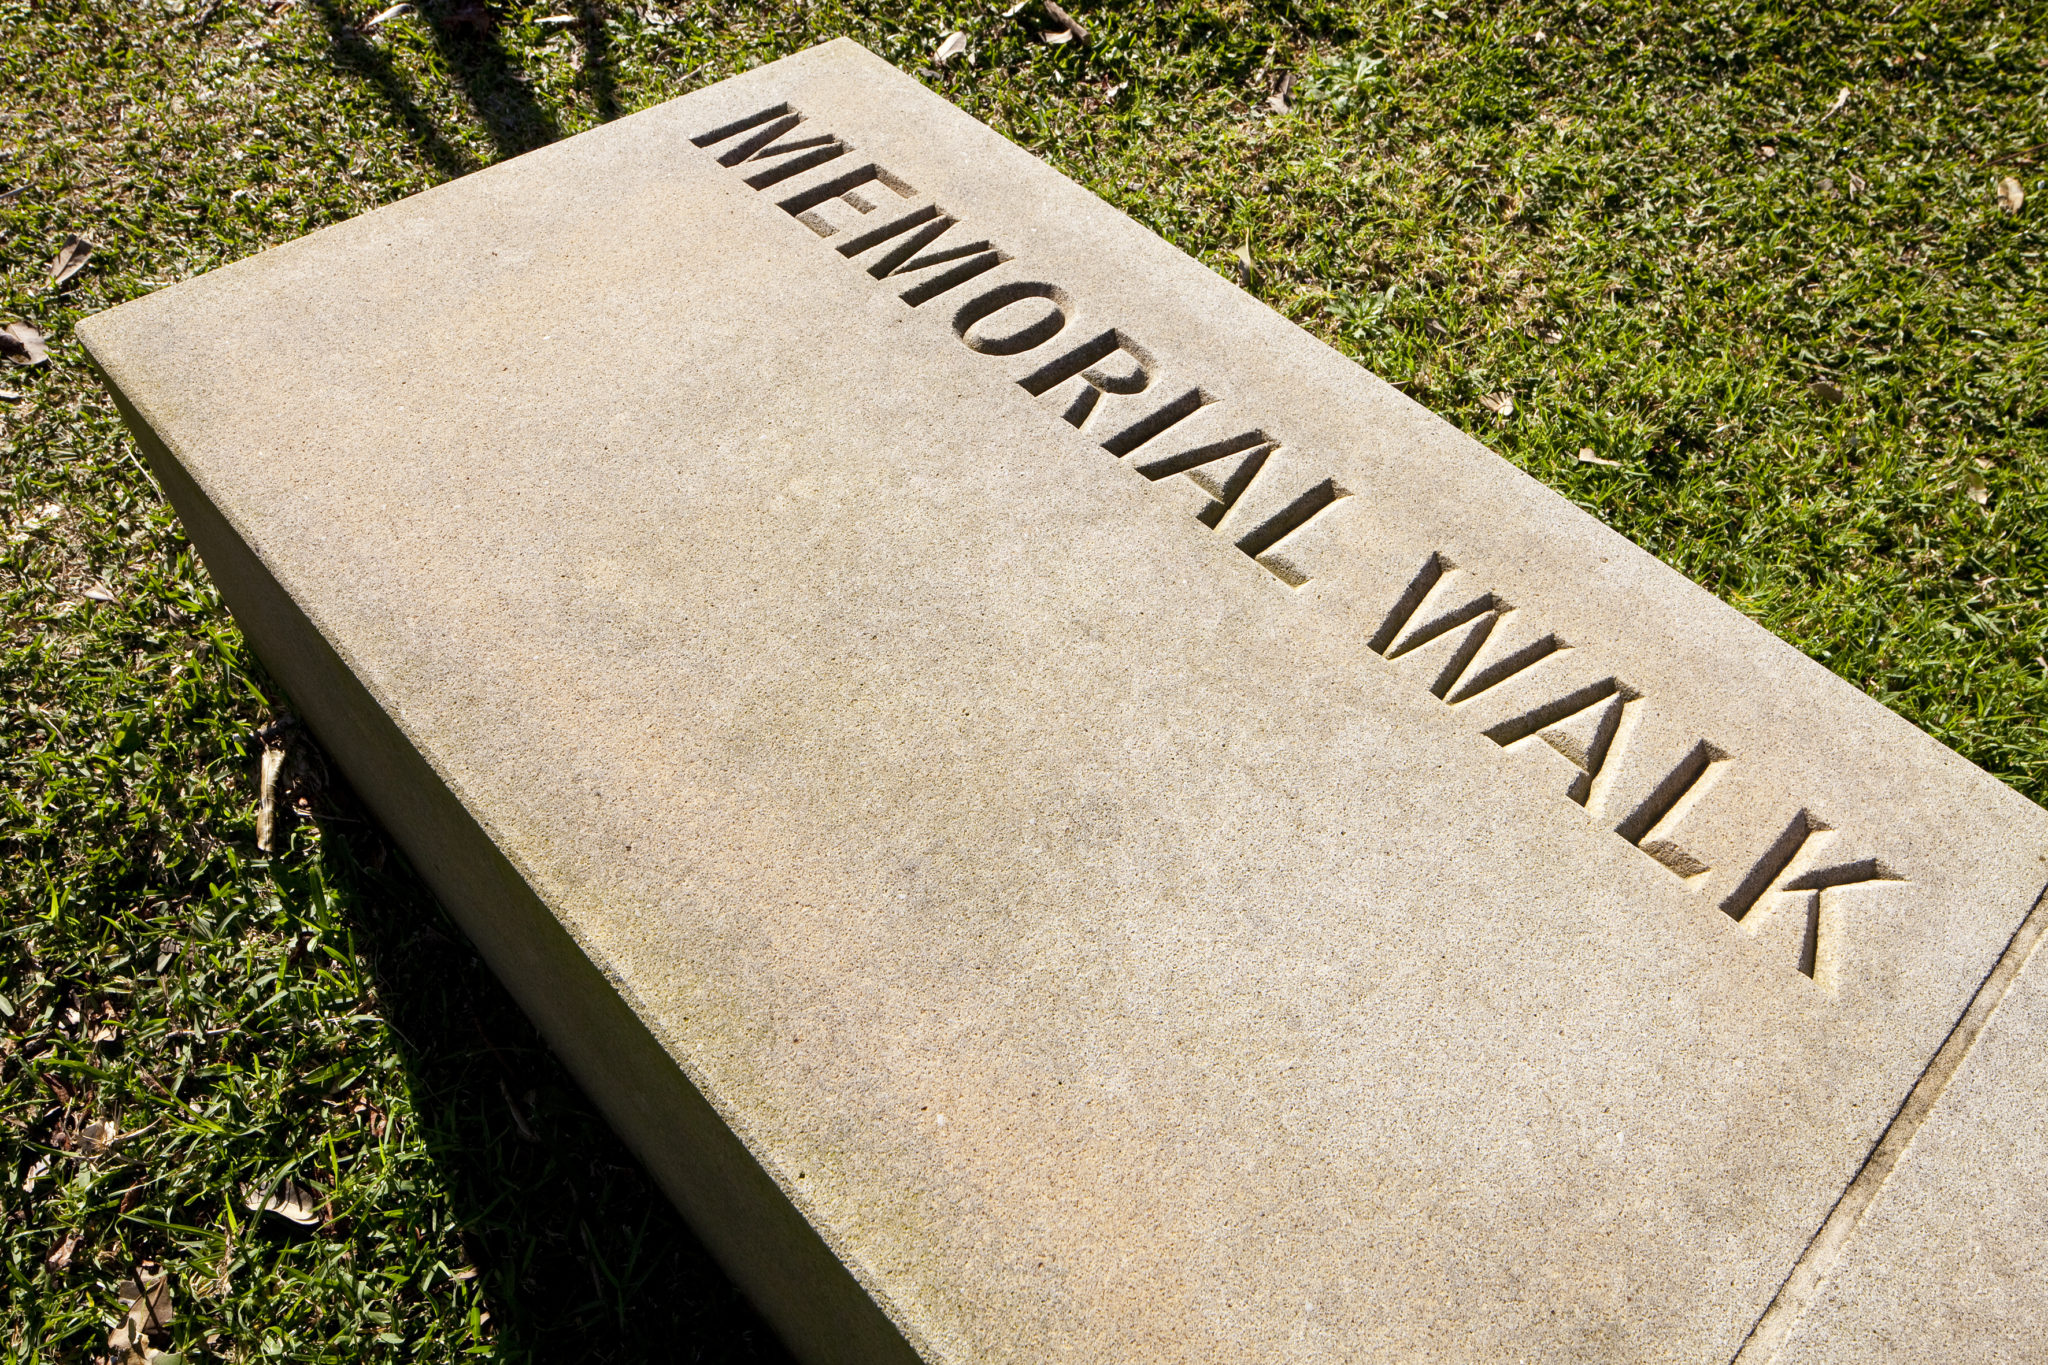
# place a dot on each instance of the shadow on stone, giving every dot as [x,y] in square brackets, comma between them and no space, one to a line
[580,1255]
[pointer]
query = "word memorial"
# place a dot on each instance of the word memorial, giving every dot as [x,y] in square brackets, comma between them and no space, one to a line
[1066,821]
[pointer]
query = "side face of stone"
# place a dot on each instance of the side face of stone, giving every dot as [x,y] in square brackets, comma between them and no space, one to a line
[1157,846]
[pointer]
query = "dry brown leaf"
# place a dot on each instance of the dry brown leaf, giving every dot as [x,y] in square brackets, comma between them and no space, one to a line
[70,259]
[518,1119]
[99,592]
[148,1311]
[1499,404]
[1586,456]
[41,520]
[149,1304]
[22,344]
[954,45]
[1069,25]
[2011,197]
[289,1200]
[1277,101]
[1826,392]
[266,800]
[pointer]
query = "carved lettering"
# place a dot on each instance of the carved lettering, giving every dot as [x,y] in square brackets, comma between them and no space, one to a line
[1155,424]
[846,188]
[1033,330]
[1086,363]
[1589,726]
[1224,486]
[963,260]
[770,137]
[1262,539]
[1805,832]
[1650,824]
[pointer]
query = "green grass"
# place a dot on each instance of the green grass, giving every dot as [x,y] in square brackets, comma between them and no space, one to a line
[1659,227]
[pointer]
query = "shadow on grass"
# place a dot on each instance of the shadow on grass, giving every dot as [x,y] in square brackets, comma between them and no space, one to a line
[466,41]
[598,81]
[370,64]
[579,1254]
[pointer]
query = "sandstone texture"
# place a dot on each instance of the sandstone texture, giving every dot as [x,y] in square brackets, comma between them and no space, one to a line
[1062,818]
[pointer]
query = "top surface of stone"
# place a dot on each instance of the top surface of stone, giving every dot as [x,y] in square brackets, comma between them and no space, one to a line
[1266,880]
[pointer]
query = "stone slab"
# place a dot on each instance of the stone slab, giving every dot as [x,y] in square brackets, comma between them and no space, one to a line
[1062,818]
[1950,1263]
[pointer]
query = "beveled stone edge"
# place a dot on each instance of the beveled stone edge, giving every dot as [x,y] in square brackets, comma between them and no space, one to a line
[820,1303]
[1810,1273]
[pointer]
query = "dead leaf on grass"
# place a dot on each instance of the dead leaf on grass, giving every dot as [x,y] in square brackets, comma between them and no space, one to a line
[98,592]
[1277,101]
[1069,30]
[266,800]
[1586,456]
[1499,404]
[1979,491]
[60,1255]
[518,1119]
[289,1200]
[2011,197]
[149,1313]
[954,45]
[41,520]
[70,259]
[22,344]
[150,1302]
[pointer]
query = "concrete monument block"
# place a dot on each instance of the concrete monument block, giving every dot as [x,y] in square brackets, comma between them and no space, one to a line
[1062,818]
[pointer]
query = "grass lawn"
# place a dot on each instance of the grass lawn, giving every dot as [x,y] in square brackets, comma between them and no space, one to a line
[1750,259]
